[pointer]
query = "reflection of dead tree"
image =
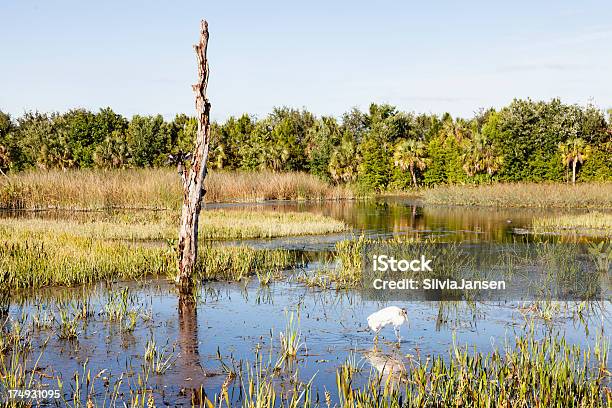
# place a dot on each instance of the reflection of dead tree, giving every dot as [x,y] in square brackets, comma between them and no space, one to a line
[193,178]
[188,340]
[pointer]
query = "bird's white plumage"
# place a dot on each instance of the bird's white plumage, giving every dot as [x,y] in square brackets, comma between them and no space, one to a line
[389,315]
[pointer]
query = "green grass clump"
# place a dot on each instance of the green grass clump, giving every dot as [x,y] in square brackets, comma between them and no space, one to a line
[593,223]
[35,259]
[30,260]
[234,263]
[539,195]
[533,373]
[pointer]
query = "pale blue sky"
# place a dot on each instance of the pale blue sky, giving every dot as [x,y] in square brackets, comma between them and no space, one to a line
[326,56]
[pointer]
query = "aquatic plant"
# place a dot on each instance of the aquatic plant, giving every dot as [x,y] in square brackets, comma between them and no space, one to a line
[291,337]
[156,359]
[233,263]
[265,277]
[601,254]
[67,324]
[534,372]
[15,372]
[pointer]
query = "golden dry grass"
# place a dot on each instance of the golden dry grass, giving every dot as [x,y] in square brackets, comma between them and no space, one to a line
[594,223]
[539,195]
[153,188]
[157,225]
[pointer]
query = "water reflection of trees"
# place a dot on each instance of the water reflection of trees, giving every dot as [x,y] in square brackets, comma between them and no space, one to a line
[405,216]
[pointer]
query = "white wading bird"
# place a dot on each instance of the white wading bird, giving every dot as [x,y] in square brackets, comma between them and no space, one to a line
[389,315]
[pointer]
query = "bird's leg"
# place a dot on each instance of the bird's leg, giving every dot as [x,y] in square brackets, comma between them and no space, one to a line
[398,334]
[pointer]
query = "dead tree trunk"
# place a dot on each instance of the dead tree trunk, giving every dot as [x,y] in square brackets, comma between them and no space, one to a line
[193,178]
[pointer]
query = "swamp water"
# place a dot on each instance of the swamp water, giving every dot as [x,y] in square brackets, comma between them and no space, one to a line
[232,326]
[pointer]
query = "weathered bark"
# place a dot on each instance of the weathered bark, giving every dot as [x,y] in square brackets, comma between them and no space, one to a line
[193,178]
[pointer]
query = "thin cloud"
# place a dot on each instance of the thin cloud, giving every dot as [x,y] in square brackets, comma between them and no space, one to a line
[562,67]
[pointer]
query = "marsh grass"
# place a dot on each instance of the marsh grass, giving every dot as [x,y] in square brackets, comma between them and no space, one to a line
[539,195]
[158,359]
[291,337]
[529,371]
[153,188]
[36,259]
[534,372]
[68,324]
[235,263]
[164,225]
[33,260]
[350,253]
[17,368]
[593,223]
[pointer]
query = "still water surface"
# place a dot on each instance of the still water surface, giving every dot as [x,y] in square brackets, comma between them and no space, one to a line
[231,321]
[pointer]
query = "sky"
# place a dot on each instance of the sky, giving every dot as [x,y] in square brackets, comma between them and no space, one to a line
[325,56]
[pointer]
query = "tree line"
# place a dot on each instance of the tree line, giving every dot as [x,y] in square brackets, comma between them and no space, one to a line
[380,149]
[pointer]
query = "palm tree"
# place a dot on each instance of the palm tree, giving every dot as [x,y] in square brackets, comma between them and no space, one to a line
[5,157]
[480,157]
[574,151]
[113,152]
[220,156]
[343,161]
[410,155]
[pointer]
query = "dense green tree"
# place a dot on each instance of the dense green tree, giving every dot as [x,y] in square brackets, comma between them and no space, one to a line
[598,167]
[519,142]
[375,168]
[182,131]
[228,139]
[436,171]
[42,144]
[113,152]
[356,124]
[454,134]
[76,132]
[148,141]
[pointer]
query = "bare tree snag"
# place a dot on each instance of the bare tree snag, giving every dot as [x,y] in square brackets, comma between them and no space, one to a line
[193,178]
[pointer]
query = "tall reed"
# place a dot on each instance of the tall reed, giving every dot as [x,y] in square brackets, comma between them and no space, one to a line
[540,195]
[154,188]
